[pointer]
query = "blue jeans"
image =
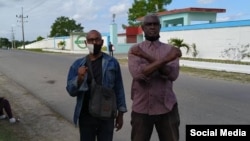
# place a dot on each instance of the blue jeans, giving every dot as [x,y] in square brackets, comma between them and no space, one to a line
[167,126]
[92,128]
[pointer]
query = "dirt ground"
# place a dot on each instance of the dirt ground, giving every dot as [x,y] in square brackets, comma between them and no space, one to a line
[37,121]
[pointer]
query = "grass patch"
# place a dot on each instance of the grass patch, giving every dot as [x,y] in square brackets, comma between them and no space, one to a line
[231,76]
[6,132]
[216,61]
[123,61]
[39,50]
[35,50]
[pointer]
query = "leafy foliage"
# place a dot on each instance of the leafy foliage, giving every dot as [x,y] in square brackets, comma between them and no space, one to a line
[61,44]
[179,43]
[137,10]
[140,8]
[4,42]
[63,26]
[39,38]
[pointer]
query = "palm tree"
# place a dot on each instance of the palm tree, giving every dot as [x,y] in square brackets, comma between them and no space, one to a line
[179,43]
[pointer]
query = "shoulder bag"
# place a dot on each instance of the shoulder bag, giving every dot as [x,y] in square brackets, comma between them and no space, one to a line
[102,103]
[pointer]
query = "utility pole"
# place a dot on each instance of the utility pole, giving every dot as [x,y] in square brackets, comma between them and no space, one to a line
[13,38]
[22,22]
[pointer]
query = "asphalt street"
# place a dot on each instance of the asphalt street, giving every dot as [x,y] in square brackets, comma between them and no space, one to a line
[201,100]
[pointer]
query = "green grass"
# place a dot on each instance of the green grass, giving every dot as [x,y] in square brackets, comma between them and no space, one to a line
[35,50]
[230,76]
[6,132]
[216,61]
[39,50]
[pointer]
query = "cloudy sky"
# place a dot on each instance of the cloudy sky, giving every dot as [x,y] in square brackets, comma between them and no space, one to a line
[93,14]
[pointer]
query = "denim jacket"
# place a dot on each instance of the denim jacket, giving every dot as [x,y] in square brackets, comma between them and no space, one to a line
[111,77]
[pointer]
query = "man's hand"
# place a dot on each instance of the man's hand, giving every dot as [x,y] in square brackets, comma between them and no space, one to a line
[81,72]
[173,54]
[138,52]
[119,121]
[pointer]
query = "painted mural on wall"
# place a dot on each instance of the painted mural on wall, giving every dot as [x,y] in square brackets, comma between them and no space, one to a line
[78,41]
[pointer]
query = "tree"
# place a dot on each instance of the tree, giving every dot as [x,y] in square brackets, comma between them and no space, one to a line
[39,38]
[141,7]
[63,26]
[179,43]
[4,42]
[137,10]
[124,26]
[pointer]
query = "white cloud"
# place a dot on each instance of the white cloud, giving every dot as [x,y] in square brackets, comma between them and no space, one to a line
[67,6]
[2,4]
[120,8]
[231,17]
[205,1]
[82,10]
[91,14]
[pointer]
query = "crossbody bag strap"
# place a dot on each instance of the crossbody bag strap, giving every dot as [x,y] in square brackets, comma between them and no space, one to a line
[90,68]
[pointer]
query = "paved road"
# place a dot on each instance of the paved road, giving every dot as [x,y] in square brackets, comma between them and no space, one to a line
[201,100]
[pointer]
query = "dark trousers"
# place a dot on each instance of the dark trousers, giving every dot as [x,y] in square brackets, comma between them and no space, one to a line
[5,105]
[167,126]
[93,128]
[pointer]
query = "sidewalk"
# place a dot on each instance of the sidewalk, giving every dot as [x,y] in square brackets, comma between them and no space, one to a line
[37,121]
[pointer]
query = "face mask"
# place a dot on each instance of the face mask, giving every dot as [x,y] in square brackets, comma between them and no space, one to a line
[94,48]
[152,38]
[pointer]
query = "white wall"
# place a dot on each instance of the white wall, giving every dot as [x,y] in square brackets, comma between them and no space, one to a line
[211,42]
[45,43]
[51,43]
[121,39]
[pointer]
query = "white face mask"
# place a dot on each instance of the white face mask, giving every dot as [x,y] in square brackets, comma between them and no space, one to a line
[91,48]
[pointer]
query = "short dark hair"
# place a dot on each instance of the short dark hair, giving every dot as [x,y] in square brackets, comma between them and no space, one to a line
[95,32]
[150,15]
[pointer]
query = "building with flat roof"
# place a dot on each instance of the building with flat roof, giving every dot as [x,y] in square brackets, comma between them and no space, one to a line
[185,16]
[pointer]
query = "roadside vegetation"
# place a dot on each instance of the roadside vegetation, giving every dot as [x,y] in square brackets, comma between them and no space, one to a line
[229,76]
[8,132]
[217,61]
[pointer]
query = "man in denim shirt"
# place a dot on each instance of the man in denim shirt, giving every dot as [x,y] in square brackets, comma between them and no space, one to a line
[106,70]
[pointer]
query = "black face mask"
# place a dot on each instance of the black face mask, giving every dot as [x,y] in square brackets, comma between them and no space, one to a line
[97,49]
[152,38]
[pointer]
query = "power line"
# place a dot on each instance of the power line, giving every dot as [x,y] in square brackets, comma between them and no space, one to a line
[36,5]
[22,22]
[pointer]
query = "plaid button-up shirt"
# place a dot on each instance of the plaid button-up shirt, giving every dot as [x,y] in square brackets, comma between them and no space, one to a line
[152,94]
